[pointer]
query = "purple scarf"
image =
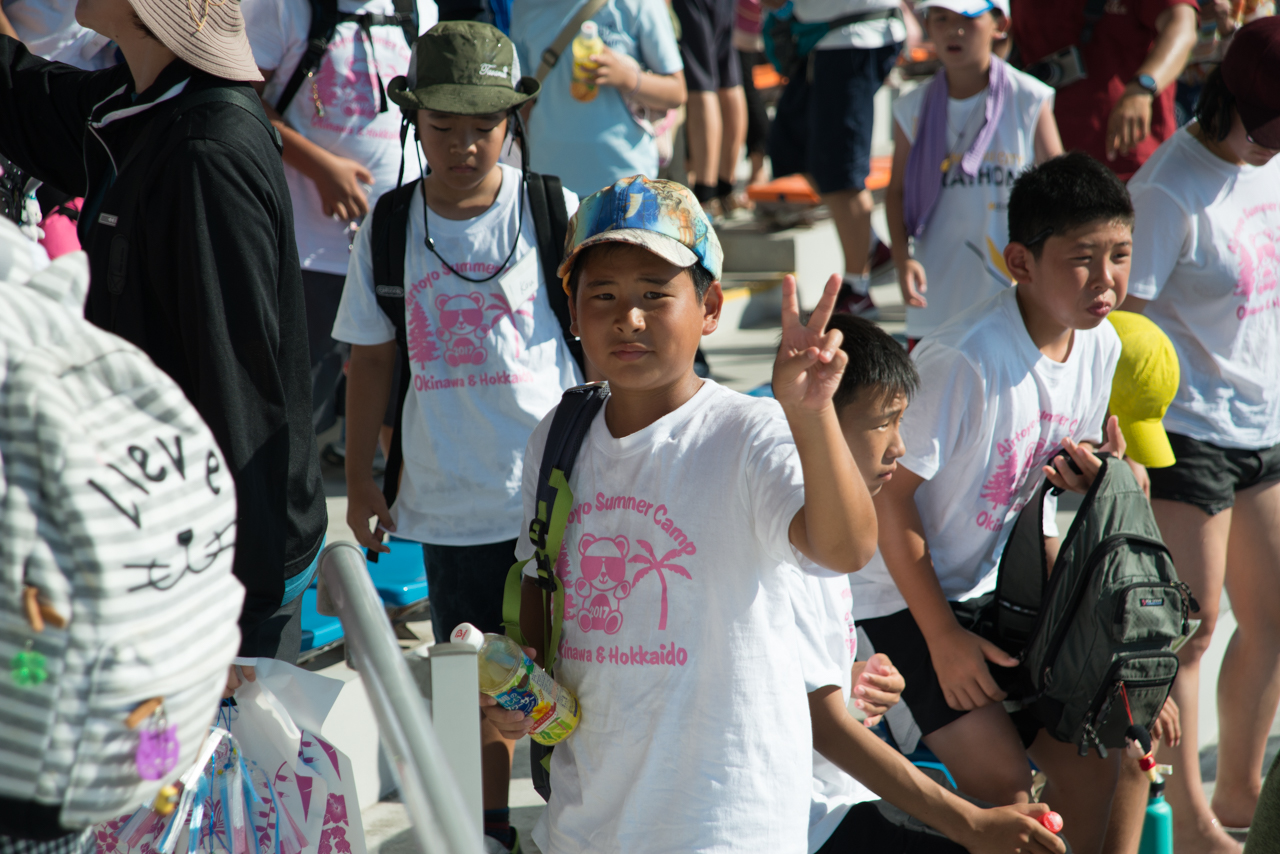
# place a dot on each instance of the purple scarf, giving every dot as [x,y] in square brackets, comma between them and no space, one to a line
[929,153]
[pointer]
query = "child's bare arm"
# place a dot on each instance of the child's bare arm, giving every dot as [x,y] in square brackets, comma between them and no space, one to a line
[836,527]
[959,657]
[911,276]
[861,754]
[368,390]
[1048,142]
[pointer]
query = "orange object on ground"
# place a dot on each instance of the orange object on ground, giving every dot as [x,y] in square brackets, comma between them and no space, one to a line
[765,76]
[795,189]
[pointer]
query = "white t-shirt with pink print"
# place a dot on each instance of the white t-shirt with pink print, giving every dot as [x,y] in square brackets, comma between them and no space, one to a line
[488,359]
[338,109]
[828,646]
[679,638]
[991,410]
[1206,251]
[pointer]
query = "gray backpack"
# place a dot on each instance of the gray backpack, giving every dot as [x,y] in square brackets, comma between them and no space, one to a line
[1095,637]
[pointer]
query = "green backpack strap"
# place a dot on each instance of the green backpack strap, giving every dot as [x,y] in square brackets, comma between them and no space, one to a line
[577,409]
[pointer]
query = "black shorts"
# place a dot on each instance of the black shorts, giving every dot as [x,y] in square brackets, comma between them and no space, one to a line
[898,637]
[706,44]
[1208,476]
[465,584]
[323,292]
[822,126]
[879,826]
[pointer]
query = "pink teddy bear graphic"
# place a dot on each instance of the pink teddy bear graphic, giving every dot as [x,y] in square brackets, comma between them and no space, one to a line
[461,321]
[604,574]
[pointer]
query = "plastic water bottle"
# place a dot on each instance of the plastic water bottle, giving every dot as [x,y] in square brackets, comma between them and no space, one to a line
[511,678]
[1157,825]
[585,45]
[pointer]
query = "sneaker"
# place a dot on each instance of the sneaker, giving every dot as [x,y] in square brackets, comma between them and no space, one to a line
[494,846]
[849,302]
[880,256]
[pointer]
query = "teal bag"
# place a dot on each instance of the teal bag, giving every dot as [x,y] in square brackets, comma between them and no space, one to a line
[787,42]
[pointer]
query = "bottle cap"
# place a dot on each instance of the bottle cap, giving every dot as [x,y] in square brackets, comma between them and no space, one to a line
[467,634]
[590,29]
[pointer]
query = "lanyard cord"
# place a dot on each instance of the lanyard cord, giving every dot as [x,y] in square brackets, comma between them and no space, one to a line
[426,218]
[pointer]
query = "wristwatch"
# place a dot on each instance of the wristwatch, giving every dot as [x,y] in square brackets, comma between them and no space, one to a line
[1147,83]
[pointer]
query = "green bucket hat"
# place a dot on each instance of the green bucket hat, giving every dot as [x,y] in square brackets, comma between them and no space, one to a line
[463,67]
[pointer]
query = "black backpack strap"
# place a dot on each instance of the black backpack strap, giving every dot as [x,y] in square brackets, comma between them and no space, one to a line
[390,224]
[324,20]
[552,503]
[551,223]
[407,17]
[1023,575]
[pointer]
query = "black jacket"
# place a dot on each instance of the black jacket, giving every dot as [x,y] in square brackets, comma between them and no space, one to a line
[211,287]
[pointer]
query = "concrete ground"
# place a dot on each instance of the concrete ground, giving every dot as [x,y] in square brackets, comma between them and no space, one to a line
[742,359]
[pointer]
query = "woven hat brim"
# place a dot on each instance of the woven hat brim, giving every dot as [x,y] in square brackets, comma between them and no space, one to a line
[462,99]
[206,34]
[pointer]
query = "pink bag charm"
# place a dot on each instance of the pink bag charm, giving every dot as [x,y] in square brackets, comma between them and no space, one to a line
[157,752]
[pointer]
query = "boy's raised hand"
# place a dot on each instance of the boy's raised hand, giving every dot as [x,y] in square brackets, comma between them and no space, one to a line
[810,362]
[1060,473]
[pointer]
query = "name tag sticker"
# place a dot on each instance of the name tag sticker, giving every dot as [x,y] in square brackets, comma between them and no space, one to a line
[520,283]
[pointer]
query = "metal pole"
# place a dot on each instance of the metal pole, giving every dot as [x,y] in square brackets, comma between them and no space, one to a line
[428,791]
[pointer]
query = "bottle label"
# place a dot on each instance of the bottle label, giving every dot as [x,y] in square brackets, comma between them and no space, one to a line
[553,708]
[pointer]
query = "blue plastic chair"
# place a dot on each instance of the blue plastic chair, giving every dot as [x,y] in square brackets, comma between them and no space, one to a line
[400,576]
[317,629]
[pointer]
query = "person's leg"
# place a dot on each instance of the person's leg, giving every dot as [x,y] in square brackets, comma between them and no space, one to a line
[984,754]
[1198,543]
[733,116]
[1128,809]
[841,115]
[757,117]
[982,748]
[466,584]
[1249,683]
[700,54]
[703,127]
[1080,789]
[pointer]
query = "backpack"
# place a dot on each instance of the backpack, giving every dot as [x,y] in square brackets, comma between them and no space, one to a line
[788,41]
[118,513]
[390,241]
[324,22]
[554,499]
[1095,639]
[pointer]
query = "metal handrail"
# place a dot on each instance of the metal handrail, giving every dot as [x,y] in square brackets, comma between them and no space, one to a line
[441,822]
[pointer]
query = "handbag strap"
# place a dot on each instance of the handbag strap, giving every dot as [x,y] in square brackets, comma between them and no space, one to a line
[551,55]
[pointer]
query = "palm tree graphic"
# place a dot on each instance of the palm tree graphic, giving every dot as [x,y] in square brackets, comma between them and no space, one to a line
[654,564]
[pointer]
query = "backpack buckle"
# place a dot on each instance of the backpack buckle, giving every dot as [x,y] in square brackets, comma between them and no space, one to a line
[538,528]
[544,579]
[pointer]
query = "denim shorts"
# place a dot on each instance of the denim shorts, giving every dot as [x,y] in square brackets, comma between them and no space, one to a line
[1208,476]
[822,126]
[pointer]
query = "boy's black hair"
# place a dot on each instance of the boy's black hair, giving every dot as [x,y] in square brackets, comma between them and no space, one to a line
[701,276]
[1215,107]
[1063,194]
[876,362]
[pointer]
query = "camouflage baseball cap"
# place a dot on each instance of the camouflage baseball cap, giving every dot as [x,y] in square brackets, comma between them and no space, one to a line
[661,216]
[463,67]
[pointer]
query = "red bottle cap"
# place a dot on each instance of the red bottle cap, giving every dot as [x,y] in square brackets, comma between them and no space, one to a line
[1052,822]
